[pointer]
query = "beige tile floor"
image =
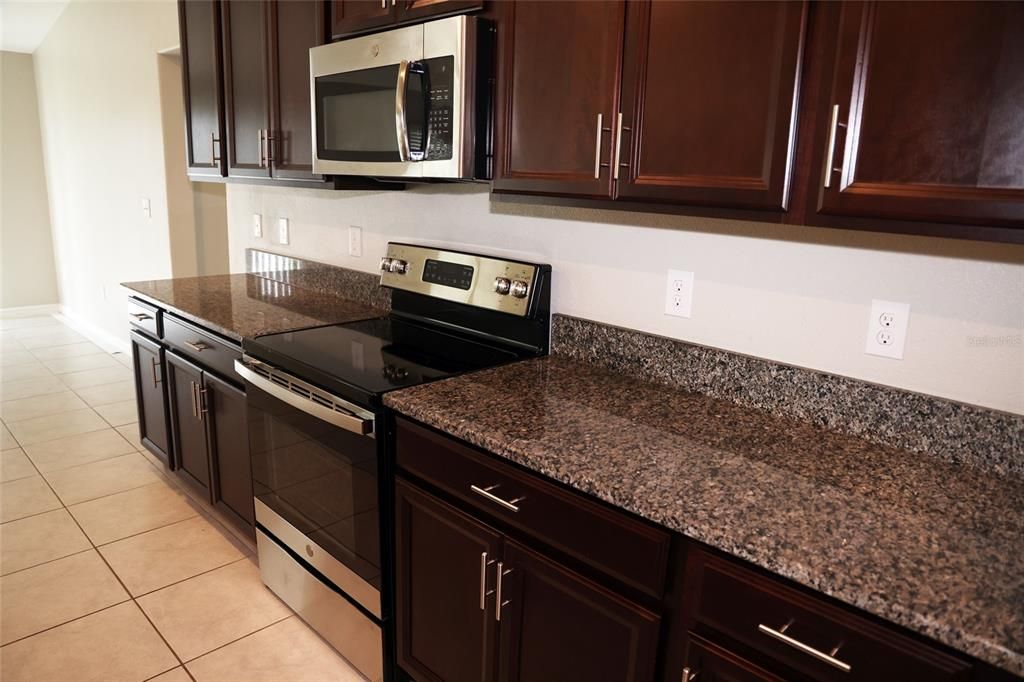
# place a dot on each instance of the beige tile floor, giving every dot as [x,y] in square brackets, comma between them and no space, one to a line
[108,570]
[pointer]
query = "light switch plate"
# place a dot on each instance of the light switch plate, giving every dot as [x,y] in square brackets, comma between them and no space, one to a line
[257,225]
[282,231]
[355,241]
[679,293]
[887,329]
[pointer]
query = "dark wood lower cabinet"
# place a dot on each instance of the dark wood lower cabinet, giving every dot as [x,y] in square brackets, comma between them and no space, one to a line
[229,448]
[151,396]
[708,662]
[445,631]
[188,428]
[465,592]
[557,625]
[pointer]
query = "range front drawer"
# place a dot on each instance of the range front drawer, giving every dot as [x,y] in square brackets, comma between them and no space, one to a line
[202,346]
[146,317]
[612,542]
[806,633]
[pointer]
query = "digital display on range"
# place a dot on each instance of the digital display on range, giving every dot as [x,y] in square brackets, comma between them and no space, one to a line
[449,274]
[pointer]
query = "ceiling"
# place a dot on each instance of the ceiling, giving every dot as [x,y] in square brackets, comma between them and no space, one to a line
[25,23]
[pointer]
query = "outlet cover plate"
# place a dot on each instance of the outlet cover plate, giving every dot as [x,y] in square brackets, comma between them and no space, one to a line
[257,225]
[679,293]
[282,231]
[355,241]
[887,329]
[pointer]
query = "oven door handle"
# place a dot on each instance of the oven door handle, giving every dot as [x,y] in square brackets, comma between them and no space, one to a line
[343,420]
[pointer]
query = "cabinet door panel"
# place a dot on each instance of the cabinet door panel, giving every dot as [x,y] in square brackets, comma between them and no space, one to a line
[709,98]
[708,662]
[355,16]
[295,27]
[560,68]
[188,423]
[411,10]
[199,22]
[229,449]
[443,633]
[245,86]
[150,392]
[558,625]
[929,123]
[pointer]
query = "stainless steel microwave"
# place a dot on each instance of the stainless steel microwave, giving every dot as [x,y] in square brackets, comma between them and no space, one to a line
[409,103]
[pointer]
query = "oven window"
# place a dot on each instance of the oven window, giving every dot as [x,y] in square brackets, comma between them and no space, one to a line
[355,115]
[320,478]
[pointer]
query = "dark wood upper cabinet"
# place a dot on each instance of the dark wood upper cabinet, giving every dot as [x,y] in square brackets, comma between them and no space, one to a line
[445,619]
[557,625]
[350,17]
[295,27]
[188,422]
[928,123]
[709,102]
[199,24]
[246,81]
[227,426]
[151,396]
[559,71]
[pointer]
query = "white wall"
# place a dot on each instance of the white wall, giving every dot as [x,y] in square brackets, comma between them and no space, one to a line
[99,98]
[27,274]
[793,294]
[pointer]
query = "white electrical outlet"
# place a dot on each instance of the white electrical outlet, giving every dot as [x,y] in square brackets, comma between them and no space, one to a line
[282,231]
[355,241]
[679,293]
[147,208]
[257,225]
[887,329]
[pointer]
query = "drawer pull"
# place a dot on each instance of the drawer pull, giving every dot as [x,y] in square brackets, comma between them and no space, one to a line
[140,316]
[486,492]
[198,346]
[781,635]
[484,592]
[153,363]
[498,603]
[688,676]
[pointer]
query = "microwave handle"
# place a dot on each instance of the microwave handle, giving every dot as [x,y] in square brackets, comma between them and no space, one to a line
[401,128]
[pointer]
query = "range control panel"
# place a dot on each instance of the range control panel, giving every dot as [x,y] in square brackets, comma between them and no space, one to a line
[503,285]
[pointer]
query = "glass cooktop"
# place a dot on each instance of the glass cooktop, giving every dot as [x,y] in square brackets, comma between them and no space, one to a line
[361,360]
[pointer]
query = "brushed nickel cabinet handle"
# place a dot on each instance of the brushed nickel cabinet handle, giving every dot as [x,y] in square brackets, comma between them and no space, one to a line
[486,492]
[781,636]
[498,603]
[214,142]
[829,169]
[152,366]
[597,147]
[484,592]
[268,145]
[259,146]
[195,406]
[383,4]
[140,316]
[201,401]
[688,676]
[618,148]
[198,346]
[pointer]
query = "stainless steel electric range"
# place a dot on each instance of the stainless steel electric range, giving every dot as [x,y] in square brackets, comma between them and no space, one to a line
[320,440]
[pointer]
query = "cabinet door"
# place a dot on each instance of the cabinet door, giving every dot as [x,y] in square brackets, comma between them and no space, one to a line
[151,396]
[411,10]
[928,124]
[188,422]
[708,662]
[355,16]
[558,93]
[246,81]
[444,571]
[229,449]
[709,102]
[199,24]
[295,27]
[557,625]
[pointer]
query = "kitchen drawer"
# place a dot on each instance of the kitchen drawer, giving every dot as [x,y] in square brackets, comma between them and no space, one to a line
[800,630]
[146,317]
[202,346]
[612,542]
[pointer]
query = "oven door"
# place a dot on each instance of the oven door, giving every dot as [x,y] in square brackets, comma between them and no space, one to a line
[315,479]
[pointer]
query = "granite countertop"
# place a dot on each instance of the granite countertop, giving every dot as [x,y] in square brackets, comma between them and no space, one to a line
[934,546]
[240,306]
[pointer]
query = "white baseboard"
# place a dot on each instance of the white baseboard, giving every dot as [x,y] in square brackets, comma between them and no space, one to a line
[101,337]
[30,310]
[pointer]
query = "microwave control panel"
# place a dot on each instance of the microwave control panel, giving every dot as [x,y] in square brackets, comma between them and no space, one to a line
[439,107]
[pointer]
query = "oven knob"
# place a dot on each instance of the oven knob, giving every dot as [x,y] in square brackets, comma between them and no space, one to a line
[501,285]
[385,264]
[399,266]
[519,289]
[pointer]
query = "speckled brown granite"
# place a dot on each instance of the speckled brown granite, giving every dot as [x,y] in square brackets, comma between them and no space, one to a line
[249,305]
[358,286]
[932,545]
[956,432]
